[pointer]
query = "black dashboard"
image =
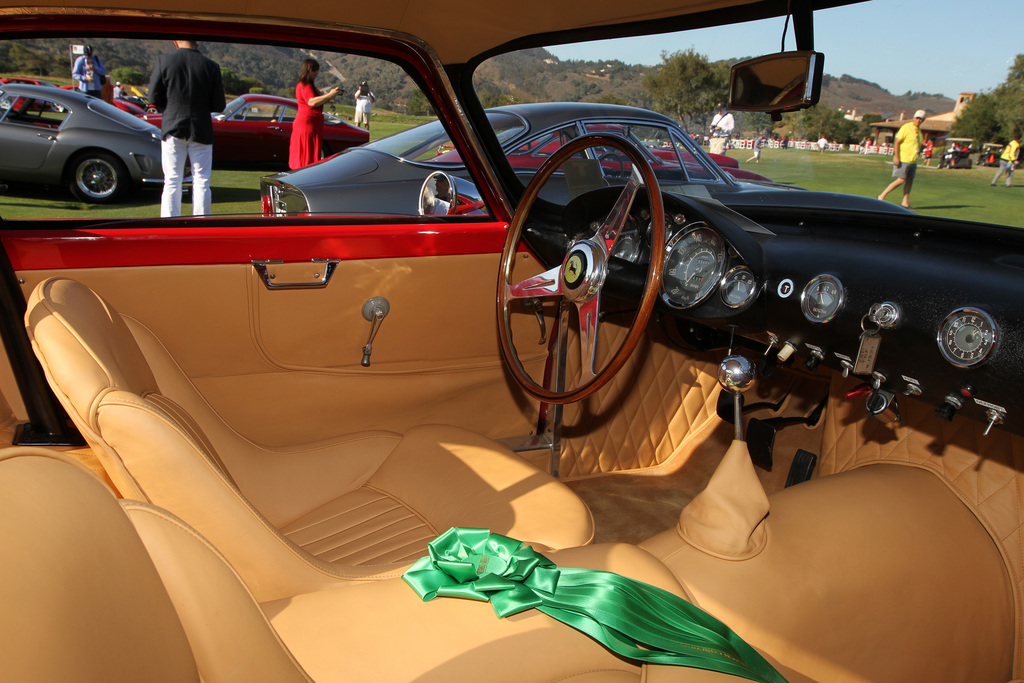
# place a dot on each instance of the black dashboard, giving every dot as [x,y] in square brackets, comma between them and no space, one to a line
[945,310]
[920,308]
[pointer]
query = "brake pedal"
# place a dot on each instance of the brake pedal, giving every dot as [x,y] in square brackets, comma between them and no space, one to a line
[761,442]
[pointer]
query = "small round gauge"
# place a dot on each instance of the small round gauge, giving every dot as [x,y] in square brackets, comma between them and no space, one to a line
[967,337]
[822,298]
[627,246]
[694,259]
[738,287]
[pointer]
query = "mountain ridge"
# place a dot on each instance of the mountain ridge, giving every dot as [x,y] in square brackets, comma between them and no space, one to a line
[526,76]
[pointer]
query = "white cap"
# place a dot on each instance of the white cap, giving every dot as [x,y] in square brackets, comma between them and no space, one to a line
[919,114]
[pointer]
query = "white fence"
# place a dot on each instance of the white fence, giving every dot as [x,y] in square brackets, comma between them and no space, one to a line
[811,145]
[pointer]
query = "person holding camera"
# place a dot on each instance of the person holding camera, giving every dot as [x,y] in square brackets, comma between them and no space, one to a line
[89,73]
[364,103]
[308,127]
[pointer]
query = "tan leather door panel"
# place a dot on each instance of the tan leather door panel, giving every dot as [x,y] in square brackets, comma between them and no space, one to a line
[283,366]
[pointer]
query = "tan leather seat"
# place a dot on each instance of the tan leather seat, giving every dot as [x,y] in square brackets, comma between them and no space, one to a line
[291,520]
[97,590]
[876,574]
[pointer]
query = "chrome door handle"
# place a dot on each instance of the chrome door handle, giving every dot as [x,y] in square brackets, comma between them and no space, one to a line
[316,276]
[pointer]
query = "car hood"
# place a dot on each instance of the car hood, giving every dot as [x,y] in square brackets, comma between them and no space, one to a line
[756,194]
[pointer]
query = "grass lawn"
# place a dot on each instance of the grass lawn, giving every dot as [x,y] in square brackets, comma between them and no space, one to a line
[950,193]
[964,194]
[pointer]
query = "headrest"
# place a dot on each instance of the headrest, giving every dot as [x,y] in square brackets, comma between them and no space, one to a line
[84,345]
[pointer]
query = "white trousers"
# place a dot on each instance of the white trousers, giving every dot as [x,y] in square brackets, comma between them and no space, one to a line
[174,152]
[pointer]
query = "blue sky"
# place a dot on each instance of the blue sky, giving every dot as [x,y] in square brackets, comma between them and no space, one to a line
[900,44]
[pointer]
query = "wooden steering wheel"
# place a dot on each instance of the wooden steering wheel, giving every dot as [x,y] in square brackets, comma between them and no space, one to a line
[580,277]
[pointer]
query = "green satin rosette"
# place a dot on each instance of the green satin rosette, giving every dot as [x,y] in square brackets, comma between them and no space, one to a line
[631,618]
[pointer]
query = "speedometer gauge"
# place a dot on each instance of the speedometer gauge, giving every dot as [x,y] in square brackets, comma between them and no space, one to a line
[694,259]
[967,337]
[822,298]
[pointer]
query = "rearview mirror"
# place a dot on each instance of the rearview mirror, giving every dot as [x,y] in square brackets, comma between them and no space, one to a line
[784,81]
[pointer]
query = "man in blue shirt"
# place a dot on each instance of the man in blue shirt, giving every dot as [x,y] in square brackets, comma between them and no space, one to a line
[89,73]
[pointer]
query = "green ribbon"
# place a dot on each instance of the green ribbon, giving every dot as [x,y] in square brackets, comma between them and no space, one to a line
[633,619]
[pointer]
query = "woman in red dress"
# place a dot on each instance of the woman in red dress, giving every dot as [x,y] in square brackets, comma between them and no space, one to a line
[308,127]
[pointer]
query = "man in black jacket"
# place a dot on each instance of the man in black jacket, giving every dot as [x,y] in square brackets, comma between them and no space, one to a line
[186,88]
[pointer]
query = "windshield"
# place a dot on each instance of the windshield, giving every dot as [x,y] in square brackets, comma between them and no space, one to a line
[233,105]
[430,142]
[844,144]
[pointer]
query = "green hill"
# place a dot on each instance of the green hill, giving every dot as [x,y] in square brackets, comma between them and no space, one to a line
[527,76]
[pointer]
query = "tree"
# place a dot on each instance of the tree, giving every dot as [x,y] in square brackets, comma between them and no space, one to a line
[22,59]
[825,120]
[978,121]
[232,84]
[687,86]
[418,104]
[997,116]
[753,123]
[1010,102]
[129,76]
[610,98]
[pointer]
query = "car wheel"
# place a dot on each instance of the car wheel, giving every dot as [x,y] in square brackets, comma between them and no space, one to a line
[99,178]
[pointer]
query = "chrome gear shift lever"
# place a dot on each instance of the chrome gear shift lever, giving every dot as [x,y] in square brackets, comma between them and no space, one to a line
[736,375]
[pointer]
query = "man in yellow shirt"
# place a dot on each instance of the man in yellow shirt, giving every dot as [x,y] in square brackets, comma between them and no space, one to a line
[1007,161]
[906,147]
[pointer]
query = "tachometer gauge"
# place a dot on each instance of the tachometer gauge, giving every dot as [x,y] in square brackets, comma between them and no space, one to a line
[967,337]
[822,298]
[694,259]
[738,287]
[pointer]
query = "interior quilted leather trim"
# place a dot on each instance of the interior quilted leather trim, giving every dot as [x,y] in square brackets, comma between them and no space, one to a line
[364,527]
[987,473]
[645,415]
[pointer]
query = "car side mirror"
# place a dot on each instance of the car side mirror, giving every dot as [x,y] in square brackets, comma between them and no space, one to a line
[784,81]
[446,195]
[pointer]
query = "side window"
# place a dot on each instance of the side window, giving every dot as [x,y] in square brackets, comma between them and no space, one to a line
[532,152]
[50,114]
[8,104]
[696,166]
[241,114]
[261,112]
[372,184]
[36,112]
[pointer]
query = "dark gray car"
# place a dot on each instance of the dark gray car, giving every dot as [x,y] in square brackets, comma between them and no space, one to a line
[53,136]
[390,172]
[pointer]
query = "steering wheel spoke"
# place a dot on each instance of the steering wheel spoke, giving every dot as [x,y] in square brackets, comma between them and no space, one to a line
[588,312]
[579,279]
[616,219]
[548,283]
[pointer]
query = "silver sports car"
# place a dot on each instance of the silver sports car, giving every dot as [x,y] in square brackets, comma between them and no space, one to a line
[57,137]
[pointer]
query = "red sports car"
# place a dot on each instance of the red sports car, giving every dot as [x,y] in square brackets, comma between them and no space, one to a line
[27,81]
[258,128]
[130,107]
[732,167]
